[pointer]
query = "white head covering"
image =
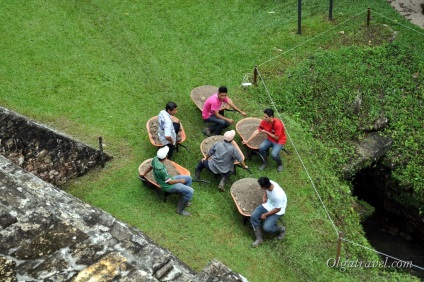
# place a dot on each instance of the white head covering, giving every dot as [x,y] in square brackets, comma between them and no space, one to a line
[162,152]
[229,135]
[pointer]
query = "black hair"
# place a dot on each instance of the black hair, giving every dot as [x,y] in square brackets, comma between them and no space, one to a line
[269,112]
[264,182]
[223,89]
[170,106]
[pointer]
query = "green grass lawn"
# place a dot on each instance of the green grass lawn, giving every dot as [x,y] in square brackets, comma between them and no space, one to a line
[103,68]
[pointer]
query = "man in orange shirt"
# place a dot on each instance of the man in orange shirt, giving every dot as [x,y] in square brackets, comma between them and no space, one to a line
[276,138]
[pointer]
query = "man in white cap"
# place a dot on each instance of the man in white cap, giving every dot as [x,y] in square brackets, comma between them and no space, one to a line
[220,159]
[177,184]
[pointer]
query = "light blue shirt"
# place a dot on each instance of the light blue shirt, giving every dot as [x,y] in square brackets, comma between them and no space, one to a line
[166,128]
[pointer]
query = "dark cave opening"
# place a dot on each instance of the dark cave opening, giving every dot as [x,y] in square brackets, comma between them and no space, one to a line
[389,229]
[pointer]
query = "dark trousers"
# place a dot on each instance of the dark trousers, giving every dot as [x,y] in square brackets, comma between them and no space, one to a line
[217,124]
[177,127]
[205,164]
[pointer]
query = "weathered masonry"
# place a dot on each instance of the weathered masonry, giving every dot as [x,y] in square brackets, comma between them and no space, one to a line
[49,235]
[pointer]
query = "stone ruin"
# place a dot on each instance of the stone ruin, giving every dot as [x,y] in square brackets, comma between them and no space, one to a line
[49,235]
[44,152]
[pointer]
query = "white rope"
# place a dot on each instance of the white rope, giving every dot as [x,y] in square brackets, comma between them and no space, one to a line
[297,153]
[293,144]
[396,22]
[303,43]
[365,247]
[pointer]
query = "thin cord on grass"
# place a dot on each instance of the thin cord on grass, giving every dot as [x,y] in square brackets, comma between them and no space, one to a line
[297,153]
[306,41]
[396,22]
[380,253]
[295,148]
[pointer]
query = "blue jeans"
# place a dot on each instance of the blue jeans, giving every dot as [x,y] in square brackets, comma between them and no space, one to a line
[184,189]
[275,153]
[270,223]
[217,124]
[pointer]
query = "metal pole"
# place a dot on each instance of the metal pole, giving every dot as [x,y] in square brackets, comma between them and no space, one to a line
[330,17]
[368,17]
[102,163]
[299,16]
[255,75]
[339,244]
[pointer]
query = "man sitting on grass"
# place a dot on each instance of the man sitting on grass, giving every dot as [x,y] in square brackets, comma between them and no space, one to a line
[212,113]
[177,184]
[220,159]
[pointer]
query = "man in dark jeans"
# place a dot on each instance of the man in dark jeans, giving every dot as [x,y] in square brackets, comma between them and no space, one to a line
[276,138]
[274,202]
[220,159]
[211,112]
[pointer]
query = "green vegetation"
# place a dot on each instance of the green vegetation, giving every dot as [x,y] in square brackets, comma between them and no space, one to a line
[388,82]
[103,68]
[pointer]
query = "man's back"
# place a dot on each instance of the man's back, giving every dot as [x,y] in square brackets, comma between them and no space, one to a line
[160,174]
[223,156]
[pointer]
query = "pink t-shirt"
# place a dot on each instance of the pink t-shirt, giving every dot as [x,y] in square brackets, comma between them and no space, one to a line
[211,105]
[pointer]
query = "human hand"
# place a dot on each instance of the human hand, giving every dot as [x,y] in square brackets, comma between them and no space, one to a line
[243,114]
[231,121]
[263,216]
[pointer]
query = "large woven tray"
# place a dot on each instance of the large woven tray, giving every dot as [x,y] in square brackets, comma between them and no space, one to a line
[247,195]
[245,128]
[199,95]
[172,167]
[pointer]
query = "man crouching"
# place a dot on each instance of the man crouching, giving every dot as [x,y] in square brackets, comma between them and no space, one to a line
[274,202]
[220,159]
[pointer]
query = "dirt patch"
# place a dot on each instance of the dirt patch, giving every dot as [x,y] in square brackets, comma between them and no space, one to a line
[172,170]
[412,10]
[201,93]
[247,195]
[245,128]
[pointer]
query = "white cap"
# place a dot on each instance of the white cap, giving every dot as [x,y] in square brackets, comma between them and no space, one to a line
[162,152]
[229,135]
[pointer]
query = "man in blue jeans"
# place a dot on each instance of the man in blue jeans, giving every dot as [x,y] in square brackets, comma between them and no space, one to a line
[274,202]
[276,138]
[177,184]
[212,113]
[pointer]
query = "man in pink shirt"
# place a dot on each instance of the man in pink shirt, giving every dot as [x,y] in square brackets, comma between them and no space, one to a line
[212,112]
